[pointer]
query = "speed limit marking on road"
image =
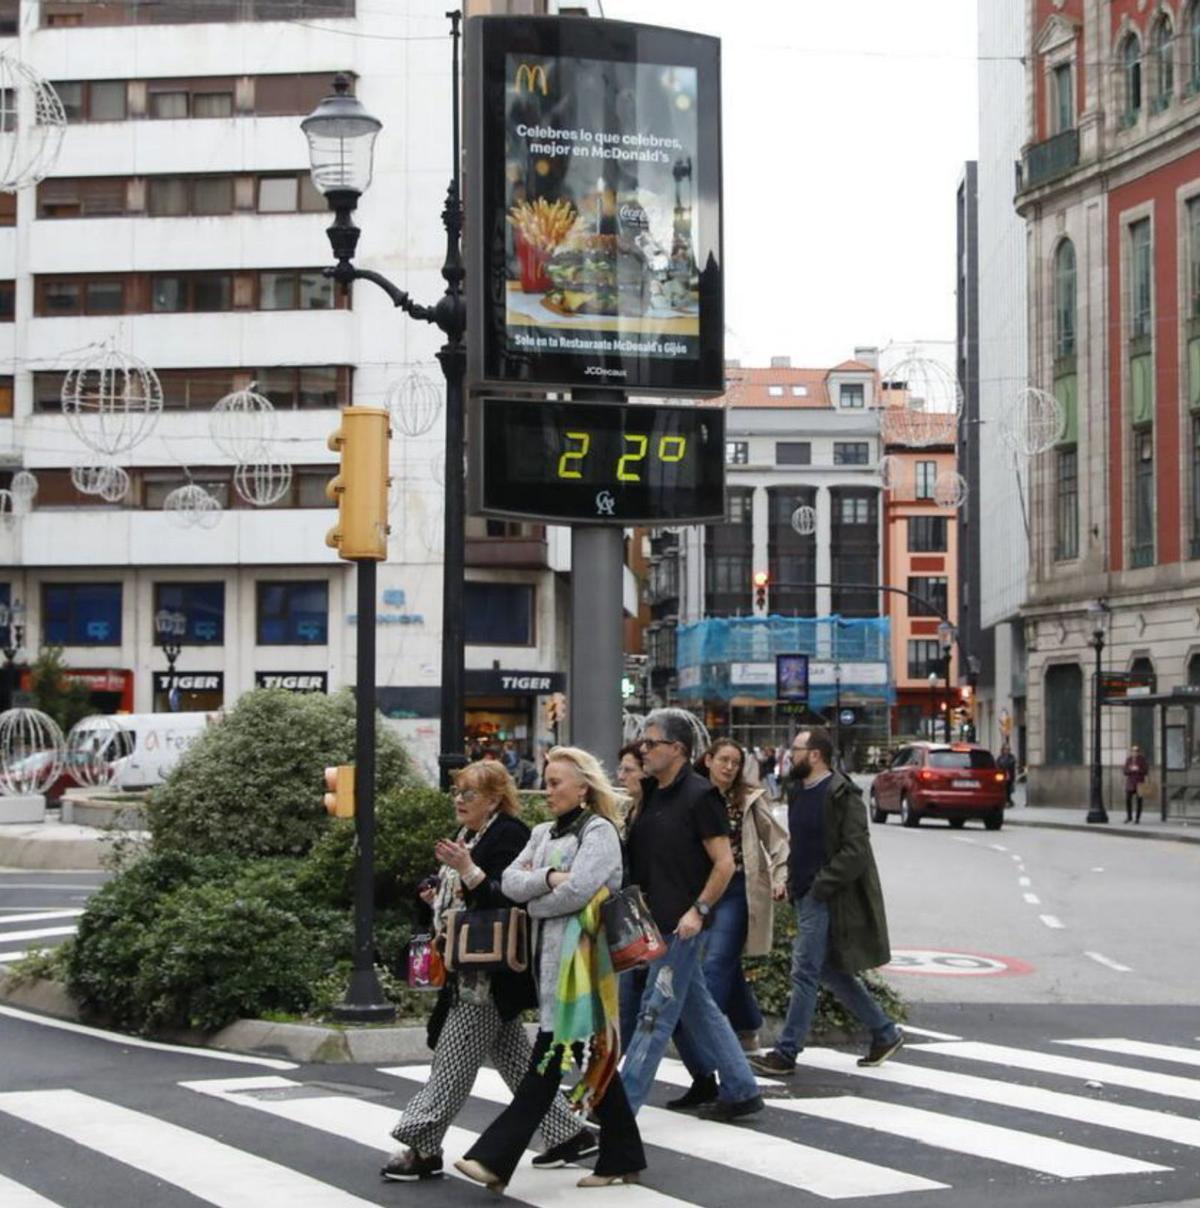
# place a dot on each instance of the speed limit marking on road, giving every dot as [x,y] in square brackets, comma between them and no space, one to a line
[932,962]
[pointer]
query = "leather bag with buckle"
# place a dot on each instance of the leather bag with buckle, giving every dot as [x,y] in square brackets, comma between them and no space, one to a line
[487,941]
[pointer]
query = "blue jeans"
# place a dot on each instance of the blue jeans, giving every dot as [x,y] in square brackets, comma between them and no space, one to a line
[722,964]
[810,968]
[674,985]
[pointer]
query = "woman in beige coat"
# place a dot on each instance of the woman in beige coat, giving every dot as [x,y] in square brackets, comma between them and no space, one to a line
[742,922]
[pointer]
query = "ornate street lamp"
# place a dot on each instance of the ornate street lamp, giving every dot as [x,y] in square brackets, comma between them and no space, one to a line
[933,679]
[171,627]
[1097,610]
[12,637]
[946,635]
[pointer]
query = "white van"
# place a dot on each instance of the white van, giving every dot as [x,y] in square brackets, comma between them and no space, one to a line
[147,746]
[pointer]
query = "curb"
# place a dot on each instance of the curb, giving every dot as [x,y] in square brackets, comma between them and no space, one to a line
[59,855]
[1101,829]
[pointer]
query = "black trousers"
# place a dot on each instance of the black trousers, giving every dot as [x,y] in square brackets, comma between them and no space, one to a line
[1130,799]
[501,1145]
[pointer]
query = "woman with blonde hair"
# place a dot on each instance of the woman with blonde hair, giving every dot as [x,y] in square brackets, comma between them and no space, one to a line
[478,1015]
[562,869]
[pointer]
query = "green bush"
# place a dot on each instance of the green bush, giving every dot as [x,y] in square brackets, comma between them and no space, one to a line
[253,784]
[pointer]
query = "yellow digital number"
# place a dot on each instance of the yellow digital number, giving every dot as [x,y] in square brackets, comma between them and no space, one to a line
[680,446]
[574,455]
[640,444]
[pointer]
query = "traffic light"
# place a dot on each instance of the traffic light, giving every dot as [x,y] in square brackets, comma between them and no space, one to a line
[339,800]
[761,579]
[555,709]
[361,487]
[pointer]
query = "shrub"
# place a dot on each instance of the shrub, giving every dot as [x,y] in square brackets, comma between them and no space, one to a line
[66,701]
[252,785]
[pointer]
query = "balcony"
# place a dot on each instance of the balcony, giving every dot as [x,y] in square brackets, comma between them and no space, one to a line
[1054,157]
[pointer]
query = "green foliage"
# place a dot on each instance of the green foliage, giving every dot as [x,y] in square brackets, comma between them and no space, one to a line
[42,964]
[253,784]
[66,701]
[770,976]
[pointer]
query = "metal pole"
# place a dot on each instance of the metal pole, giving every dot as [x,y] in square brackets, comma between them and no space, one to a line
[365,1001]
[1097,812]
[597,633]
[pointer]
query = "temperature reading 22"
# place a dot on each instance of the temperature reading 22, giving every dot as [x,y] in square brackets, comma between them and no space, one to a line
[637,446]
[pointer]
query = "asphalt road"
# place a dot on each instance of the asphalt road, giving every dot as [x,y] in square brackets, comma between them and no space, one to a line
[40,909]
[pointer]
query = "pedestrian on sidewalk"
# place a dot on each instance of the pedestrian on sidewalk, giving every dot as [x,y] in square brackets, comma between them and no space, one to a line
[1136,770]
[1006,761]
[680,857]
[841,927]
[742,922]
[477,1016]
[558,874]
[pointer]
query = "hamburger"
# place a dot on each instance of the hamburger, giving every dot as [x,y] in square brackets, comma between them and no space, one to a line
[598,275]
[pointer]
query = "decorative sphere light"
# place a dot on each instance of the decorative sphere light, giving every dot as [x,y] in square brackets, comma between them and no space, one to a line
[32,125]
[1033,423]
[112,400]
[804,520]
[262,483]
[414,404]
[31,752]
[242,424]
[950,490]
[93,746]
[24,488]
[192,506]
[889,472]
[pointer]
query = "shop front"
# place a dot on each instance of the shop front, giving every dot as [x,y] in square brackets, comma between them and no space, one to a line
[502,704]
[110,689]
[188,691]
[293,681]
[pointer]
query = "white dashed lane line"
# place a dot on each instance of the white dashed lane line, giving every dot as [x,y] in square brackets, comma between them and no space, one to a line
[1024,882]
[1108,962]
[1051,921]
[1033,899]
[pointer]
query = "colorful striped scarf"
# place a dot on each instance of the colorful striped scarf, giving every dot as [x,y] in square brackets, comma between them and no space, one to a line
[586,1010]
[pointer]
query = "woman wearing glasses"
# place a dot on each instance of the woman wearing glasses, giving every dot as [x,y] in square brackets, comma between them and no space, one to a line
[477,1016]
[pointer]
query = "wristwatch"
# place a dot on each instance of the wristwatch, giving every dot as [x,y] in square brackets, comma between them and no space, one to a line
[703,908]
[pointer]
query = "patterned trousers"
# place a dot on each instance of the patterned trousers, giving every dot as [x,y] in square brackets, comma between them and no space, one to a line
[473,1033]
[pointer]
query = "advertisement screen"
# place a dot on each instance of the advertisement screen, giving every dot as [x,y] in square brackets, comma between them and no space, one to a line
[596,157]
[791,677]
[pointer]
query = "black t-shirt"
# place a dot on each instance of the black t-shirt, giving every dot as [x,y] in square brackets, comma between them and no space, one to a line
[667,857]
[806,832]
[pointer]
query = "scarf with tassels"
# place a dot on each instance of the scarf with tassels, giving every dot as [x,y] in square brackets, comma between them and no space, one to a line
[586,1010]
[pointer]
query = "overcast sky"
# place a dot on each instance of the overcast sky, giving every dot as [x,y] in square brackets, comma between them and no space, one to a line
[846,126]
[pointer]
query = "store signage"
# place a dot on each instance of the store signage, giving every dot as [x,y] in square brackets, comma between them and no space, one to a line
[293,681]
[189,681]
[601,463]
[760,674]
[515,683]
[594,170]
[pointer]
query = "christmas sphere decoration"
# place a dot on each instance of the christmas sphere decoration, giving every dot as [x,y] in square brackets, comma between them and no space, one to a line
[90,479]
[112,400]
[804,520]
[242,425]
[191,506]
[890,468]
[32,125]
[932,395]
[31,752]
[8,507]
[414,404]
[24,488]
[950,490]
[262,483]
[93,746]
[115,485]
[1033,423]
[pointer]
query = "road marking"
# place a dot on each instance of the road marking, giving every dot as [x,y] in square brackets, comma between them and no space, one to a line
[998,847]
[21,914]
[1032,899]
[832,1176]
[1047,1155]
[13,1195]
[1016,857]
[1024,882]
[11,958]
[1097,870]
[675,1073]
[909,1030]
[1141,1121]
[1140,1048]
[1108,962]
[136,1042]
[1071,1067]
[208,1169]
[930,962]
[38,933]
[1052,922]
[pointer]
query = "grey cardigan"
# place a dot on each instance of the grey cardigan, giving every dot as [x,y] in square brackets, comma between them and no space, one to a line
[593,858]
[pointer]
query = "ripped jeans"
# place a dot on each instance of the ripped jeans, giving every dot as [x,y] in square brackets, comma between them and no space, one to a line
[677,992]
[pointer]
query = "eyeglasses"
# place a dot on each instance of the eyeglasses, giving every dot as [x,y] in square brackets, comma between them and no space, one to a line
[648,744]
[467,795]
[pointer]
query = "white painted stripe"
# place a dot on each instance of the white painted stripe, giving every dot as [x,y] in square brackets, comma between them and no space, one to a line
[1024,882]
[136,1042]
[21,915]
[207,1169]
[1071,1067]
[1016,857]
[1108,962]
[1140,1048]
[1138,1120]
[1046,1155]
[370,1123]
[998,847]
[1032,899]
[830,1175]
[675,1073]
[38,933]
[1051,921]
[11,958]
[13,1195]
[909,1030]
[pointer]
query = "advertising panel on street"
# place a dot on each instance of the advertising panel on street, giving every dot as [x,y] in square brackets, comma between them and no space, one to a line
[594,202]
[791,678]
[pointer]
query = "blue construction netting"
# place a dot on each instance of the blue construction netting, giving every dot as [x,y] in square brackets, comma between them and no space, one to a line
[706,651]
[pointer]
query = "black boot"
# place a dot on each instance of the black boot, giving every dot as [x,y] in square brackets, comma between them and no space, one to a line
[703,1090]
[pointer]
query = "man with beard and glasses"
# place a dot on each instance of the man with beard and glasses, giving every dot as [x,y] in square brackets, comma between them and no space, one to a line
[841,928]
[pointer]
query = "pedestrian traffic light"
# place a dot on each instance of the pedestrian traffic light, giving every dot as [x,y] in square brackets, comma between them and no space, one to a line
[761,579]
[339,800]
[555,709]
[361,487]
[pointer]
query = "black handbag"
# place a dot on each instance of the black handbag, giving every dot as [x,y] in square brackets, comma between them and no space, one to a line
[633,936]
[487,941]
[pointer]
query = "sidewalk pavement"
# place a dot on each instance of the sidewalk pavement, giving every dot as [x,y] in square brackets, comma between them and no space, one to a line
[52,845]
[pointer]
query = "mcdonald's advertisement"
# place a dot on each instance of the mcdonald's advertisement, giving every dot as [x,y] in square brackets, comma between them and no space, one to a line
[594,198]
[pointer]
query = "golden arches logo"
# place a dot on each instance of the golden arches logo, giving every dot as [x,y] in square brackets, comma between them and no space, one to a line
[532,77]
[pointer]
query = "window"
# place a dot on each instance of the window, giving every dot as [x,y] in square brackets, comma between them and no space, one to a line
[203,604]
[212,104]
[775,391]
[278,194]
[1164,67]
[175,292]
[851,452]
[104,297]
[927,534]
[71,95]
[851,395]
[293,614]
[925,478]
[8,209]
[854,544]
[728,577]
[1141,279]
[924,657]
[1143,497]
[1131,74]
[791,556]
[1196,486]
[1193,251]
[1064,300]
[212,195]
[793,453]
[933,590]
[87,197]
[290,94]
[6,396]
[8,300]
[92,100]
[81,614]
[1141,717]
[1064,715]
[1066,505]
[295,290]
[737,452]
[1194,43]
[167,197]
[211,291]
[169,105]
[1064,100]
[799,392]
[499,614]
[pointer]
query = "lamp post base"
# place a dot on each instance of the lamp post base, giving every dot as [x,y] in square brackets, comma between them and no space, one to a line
[1097,813]
[364,1002]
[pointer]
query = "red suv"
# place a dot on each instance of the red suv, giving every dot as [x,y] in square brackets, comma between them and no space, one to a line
[956,781]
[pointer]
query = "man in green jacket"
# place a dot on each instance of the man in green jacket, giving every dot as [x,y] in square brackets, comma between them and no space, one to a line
[841,928]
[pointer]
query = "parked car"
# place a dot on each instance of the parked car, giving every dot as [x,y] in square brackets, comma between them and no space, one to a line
[956,781]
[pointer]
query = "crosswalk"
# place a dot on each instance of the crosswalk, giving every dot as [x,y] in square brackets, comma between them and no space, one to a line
[18,936]
[945,1118]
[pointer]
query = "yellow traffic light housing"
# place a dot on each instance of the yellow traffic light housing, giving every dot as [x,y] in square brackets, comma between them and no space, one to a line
[361,487]
[339,800]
